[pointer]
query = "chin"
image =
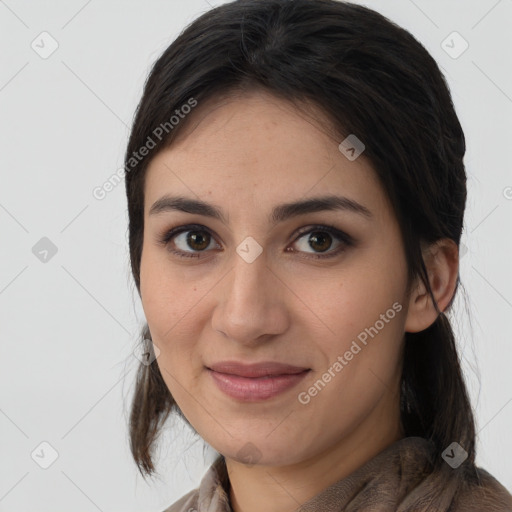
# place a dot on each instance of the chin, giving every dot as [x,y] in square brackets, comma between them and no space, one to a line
[259,451]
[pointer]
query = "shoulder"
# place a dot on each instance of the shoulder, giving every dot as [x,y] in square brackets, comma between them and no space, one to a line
[483,493]
[187,503]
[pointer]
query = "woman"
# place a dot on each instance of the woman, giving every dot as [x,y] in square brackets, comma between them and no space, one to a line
[296,192]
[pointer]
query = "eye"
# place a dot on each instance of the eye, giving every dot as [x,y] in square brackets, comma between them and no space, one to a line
[320,239]
[188,240]
[191,240]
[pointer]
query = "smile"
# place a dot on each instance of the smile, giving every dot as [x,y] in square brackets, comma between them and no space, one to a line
[256,384]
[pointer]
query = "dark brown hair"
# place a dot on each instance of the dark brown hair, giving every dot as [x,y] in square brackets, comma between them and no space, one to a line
[371,78]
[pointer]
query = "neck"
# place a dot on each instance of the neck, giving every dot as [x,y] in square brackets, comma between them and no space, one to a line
[285,488]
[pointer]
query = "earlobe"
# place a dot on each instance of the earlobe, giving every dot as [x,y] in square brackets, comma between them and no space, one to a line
[441,262]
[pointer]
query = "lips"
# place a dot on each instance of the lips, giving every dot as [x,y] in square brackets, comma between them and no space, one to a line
[255,370]
[255,382]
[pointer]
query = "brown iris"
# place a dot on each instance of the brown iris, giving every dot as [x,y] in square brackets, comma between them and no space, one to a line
[197,240]
[321,239]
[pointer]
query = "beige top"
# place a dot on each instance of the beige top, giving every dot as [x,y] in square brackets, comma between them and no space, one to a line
[398,479]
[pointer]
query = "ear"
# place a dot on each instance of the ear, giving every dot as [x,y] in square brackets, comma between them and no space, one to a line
[442,263]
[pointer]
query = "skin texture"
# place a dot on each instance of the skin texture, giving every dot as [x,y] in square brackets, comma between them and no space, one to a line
[246,155]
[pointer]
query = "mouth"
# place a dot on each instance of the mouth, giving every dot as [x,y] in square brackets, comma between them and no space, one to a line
[255,382]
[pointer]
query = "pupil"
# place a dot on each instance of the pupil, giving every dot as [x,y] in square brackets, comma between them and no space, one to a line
[319,238]
[195,238]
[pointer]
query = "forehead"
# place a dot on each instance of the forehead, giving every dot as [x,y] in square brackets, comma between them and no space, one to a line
[260,149]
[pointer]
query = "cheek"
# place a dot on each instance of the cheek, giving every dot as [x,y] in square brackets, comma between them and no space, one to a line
[343,302]
[361,365]
[175,306]
[163,295]
[361,331]
[164,301]
[170,309]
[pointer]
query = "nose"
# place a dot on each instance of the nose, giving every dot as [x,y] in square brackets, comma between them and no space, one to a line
[251,308]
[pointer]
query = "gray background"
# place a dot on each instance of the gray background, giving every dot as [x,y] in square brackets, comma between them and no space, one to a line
[69,323]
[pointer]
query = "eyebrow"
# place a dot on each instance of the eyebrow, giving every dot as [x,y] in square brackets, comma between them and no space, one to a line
[280,213]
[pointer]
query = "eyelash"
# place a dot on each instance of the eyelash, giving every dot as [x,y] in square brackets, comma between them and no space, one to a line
[345,239]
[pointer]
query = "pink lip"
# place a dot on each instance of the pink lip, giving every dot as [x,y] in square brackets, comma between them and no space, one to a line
[255,382]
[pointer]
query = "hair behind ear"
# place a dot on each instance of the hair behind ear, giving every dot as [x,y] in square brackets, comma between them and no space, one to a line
[434,401]
[151,405]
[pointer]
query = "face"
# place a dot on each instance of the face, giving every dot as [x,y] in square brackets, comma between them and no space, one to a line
[321,290]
